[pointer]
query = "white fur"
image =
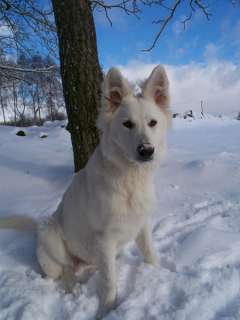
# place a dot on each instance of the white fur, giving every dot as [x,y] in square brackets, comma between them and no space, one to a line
[110,201]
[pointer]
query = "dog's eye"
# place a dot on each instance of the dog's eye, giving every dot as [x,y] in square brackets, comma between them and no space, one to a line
[128,124]
[152,123]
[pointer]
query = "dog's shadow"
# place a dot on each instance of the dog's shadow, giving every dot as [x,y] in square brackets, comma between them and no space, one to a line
[45,171]
[20,249]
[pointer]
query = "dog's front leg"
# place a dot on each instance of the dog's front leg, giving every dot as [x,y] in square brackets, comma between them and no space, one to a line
[106,261]
[144,242]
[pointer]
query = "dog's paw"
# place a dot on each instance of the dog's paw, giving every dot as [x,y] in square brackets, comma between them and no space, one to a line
[68,280]
[153,260]
[103,310]
[106,305]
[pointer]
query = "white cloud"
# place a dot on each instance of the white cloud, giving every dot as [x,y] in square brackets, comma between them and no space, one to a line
[210,52]
[216,83]
[178,27]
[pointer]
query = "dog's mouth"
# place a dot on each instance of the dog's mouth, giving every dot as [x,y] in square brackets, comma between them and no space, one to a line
[145,159]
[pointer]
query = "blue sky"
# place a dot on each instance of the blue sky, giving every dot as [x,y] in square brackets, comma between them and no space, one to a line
[202,40]
[202,61]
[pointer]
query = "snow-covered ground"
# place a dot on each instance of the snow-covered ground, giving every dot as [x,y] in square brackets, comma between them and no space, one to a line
[196,226]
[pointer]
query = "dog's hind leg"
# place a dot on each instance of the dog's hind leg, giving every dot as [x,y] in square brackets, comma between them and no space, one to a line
[56,271]
[51,251]
[49,266]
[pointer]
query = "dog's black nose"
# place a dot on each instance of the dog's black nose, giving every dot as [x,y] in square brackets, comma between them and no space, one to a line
[145,151]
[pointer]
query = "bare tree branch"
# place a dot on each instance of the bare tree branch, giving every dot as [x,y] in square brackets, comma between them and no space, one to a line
[27,22]
[127,6]
[163,22]
[11,77]
[203,8]
[169,7]
[18,69]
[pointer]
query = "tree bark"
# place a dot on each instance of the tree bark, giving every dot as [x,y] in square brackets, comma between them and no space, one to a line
[81,74]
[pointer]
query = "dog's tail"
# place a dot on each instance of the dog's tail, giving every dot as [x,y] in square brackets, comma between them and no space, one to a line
[19,222]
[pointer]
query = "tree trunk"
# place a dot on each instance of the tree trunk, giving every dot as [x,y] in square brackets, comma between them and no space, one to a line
[15,102]
[38,103]
[81,74]
[2,106]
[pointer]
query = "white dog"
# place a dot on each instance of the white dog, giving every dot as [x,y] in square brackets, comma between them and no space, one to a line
[110,201]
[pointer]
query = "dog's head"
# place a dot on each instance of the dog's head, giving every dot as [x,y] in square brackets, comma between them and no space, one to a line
[135,125]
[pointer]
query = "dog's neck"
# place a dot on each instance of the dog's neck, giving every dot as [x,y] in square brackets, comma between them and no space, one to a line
[119,174]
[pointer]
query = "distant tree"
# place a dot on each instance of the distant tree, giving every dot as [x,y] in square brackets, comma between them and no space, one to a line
[15,99]
[23,93]
[25,25]
[26,93]
[3,100]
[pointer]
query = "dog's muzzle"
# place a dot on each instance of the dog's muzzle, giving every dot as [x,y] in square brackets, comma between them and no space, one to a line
[145,152]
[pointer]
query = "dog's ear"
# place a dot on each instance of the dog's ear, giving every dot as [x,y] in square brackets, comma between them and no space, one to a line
[156,87]
[115,87]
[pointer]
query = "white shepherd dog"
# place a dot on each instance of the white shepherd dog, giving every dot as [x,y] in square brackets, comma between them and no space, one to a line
[110,201]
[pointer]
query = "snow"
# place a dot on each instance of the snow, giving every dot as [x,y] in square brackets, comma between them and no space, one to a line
[196,229]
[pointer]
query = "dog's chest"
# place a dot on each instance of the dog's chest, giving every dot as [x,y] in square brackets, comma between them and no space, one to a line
[130,205]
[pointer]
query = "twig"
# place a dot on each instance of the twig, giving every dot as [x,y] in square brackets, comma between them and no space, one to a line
[203,8]
[188,18]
